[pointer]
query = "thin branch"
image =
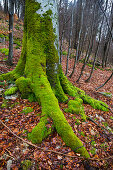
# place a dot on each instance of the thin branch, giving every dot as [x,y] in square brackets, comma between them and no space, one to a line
[105,82]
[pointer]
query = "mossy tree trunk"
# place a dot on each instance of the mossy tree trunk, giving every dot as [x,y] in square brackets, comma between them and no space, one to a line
[38,74]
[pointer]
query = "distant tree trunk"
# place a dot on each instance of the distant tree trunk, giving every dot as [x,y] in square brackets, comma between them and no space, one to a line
[11,20]
[61,44]
[77,22]
[78,43]
[6,6]
[105,82]
[95,57]
[107,51]
[70,38]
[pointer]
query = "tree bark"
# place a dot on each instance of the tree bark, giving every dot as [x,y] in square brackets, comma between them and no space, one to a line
[11,20]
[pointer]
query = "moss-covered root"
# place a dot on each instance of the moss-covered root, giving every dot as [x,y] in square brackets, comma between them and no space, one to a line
[24,86]
[40,131]
[8,76]
[11,91]
[74,91]
[50,107]
[66,84]
[96,104]
[75,106]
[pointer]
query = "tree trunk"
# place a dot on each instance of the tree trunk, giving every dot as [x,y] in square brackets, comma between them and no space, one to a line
[38,75]
[11,20]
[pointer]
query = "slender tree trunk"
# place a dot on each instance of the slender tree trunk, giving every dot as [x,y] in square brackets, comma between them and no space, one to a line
[95,57]
[11,20]
[78,44]
[62,40]
[105,82]
[6,6]
[70,39]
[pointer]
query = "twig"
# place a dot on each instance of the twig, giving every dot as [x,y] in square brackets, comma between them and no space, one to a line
[89,118]
[48,150]
[9,153]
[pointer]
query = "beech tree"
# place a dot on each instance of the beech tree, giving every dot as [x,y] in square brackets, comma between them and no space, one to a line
[11,20]
[39,76]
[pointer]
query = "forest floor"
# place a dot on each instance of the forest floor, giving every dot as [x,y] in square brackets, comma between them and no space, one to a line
[96,136]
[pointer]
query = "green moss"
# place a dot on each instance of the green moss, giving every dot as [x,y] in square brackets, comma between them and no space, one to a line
[105,124]
[4,104]
[6,37]
[82,134]
[76,107]
[96,104]
[40,131]
[17,47]
[27,110]
[4,51]
[66,85]
[83,117]
[26,164]
[78,93]
[93,151]
[17,42]
[77,122]
[79,100]
[93,143]
[14,104]
[23,85]
[111,117]
[64,53]
[1,36]
[11,91]
[90,65]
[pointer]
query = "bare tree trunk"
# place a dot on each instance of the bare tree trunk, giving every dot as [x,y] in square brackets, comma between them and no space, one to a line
[62,39]
[105,82]
[11,20]
[106,56]
[96,52]
[6,6]
[70,38]
[77,50]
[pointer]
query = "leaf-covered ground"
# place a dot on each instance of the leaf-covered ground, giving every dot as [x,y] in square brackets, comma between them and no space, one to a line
[96,136]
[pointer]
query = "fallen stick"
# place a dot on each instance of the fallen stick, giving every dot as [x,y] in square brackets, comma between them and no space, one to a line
[89,118]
